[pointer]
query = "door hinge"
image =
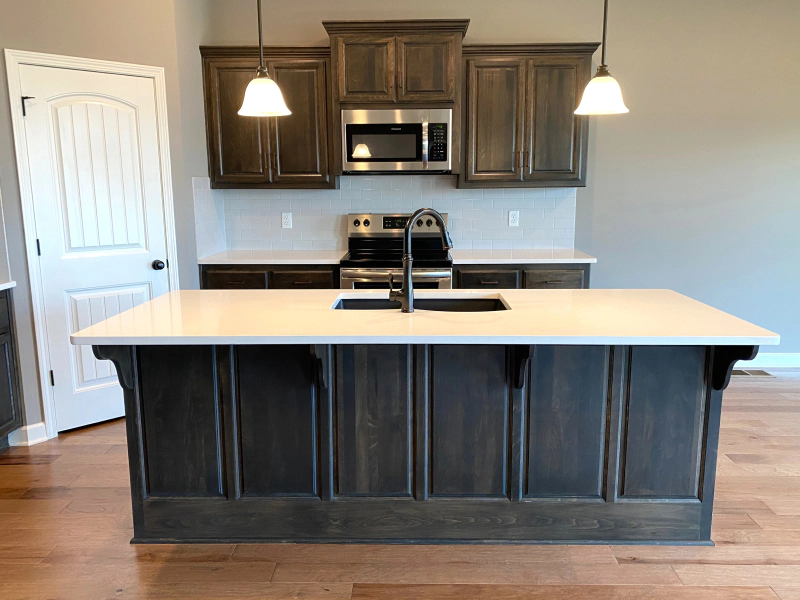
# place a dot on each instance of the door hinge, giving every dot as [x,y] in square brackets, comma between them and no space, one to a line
[24,113]
[38,247]
[52,378]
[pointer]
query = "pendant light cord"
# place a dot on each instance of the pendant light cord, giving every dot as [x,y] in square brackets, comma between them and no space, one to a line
[261,41]
[605,30]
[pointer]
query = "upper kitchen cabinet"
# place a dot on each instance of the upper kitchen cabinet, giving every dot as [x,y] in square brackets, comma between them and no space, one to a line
[393,64]
[277,152]
[521,130]
[495,116]
[426,67]
[396,61]
[364,67]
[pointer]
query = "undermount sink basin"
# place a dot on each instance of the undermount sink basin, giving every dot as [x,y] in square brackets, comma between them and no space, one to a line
[441,304]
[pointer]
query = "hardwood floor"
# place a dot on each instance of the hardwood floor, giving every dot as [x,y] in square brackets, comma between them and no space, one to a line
[65,525]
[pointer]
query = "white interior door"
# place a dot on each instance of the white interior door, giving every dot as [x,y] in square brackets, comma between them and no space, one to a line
[96,183]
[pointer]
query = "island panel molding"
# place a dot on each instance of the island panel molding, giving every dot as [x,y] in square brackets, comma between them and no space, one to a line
[421,443]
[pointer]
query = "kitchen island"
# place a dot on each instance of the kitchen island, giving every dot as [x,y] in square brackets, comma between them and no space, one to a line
[558,416]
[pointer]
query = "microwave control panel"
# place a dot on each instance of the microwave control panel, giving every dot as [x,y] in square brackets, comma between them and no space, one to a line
[437,142]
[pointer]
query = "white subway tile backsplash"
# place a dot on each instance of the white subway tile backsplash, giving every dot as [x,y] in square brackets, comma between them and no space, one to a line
[478,218]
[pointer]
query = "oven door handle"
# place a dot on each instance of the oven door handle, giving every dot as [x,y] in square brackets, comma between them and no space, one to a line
[384,274]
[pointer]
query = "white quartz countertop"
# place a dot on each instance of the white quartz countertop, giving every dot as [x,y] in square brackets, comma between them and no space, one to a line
[522,257]
[6,285]
[331,257]
[593,316]
[273,257]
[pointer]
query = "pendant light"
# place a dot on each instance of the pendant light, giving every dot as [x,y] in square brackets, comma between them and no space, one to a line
[361,151]
[602,95]
[263,97]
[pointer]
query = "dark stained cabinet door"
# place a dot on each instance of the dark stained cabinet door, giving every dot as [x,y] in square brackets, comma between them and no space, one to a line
[277,401]
[469,421]
[299,141]
[292,151]
[554,140]
[567,421]
[366,67]
[10,399]
[373,420]
[426,67]
[238,146]
[495,116]
[10,418]
[664,420]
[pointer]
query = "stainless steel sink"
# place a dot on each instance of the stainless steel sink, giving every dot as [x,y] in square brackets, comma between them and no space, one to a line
[441,304]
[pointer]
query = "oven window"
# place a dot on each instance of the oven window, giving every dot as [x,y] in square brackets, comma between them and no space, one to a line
[400,142]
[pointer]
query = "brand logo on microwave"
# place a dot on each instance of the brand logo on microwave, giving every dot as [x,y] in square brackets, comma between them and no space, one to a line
[396,128]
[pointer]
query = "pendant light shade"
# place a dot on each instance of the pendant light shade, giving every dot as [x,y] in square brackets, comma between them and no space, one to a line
[361,151]
[263,97]
[602,95]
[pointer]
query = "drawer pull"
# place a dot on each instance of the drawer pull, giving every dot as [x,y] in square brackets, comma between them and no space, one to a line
[302,282]
[554,281]
[488,282]
[235,282]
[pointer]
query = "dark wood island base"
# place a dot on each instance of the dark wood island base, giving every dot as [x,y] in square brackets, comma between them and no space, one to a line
[423,443]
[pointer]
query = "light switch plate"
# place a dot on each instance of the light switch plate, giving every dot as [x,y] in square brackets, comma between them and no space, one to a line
[513,218]
[286,220]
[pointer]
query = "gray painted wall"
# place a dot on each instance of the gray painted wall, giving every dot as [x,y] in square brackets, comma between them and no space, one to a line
[698,189]
[144,32]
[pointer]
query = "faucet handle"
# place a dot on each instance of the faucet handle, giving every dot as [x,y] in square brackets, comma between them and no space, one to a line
[392,292]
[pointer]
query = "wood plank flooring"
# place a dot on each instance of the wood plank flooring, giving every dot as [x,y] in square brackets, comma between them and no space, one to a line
[65,524]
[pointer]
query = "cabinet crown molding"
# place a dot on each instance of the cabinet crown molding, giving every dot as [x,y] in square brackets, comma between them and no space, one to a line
[392,27]
[529,49]
[271,51]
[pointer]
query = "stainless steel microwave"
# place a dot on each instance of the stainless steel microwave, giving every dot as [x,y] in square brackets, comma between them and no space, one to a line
[407,139]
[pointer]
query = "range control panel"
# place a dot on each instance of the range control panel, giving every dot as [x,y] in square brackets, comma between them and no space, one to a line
[374,224]
[437,142]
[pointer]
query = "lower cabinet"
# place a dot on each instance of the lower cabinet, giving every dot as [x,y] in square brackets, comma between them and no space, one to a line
[422,443]
[10,399]
[275,277]
[531,277]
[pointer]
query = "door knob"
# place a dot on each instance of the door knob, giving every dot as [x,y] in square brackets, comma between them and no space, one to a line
[158,264]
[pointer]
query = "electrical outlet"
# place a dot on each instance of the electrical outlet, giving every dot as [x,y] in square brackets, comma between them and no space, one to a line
[513,218]
[286,220]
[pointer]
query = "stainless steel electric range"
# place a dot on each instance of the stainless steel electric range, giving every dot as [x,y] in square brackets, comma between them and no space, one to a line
[375,243]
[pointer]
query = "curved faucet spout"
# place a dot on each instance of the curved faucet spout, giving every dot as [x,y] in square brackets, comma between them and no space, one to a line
[406,295]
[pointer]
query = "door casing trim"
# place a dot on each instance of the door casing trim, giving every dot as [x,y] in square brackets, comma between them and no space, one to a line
[14,59]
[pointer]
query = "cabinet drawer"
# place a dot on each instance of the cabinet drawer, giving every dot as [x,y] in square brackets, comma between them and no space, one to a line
[301,280]
[553,279]
[236,280]
[506,279]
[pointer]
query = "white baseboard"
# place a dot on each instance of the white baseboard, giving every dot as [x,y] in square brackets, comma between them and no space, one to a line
[28,435]
[766,360]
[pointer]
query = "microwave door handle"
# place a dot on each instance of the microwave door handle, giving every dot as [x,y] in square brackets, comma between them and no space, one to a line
[425,145]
